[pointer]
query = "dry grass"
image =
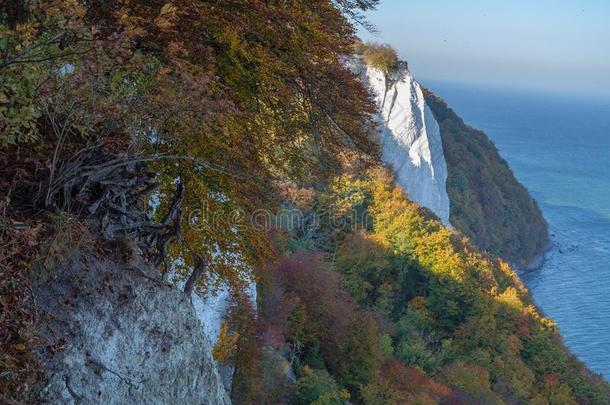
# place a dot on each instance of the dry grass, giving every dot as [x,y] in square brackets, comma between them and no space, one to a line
[28,249]
[67,236]
[19,368]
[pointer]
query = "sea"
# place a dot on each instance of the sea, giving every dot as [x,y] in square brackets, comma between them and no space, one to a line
[558,146]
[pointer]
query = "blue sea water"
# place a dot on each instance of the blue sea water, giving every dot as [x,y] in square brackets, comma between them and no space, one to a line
[558,146]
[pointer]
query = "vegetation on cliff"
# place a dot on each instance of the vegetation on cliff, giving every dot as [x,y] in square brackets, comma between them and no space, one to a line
[428,319]
[488,204]
[380,56]
[163,124]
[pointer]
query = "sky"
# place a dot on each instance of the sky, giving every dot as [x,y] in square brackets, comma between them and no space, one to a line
[560,45]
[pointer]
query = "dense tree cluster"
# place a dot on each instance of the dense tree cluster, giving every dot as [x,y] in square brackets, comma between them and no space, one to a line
[443,323]
[168,121]
[211,93]
[381,56]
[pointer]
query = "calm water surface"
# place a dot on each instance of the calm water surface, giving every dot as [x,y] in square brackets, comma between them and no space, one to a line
[559,147]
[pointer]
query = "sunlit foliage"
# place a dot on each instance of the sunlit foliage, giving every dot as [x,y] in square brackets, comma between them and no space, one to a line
[376,303]
[381,56]
[223,97]
[229,100]
[453,325]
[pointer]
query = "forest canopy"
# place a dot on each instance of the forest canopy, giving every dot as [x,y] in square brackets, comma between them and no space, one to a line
[164,123]
[441,322]
[208,94]
[158,126]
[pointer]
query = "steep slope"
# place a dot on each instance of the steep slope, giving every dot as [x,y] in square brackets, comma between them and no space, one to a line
[488,204]
[428,319]
[409,136]
[218,101]
[446,166]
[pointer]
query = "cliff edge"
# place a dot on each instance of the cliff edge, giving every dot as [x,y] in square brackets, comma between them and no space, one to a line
[408,135]
[446,166]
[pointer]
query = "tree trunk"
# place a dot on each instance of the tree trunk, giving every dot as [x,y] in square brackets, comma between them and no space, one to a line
[200,266]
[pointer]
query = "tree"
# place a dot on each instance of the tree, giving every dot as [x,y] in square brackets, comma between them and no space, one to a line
[318,387]
[226,344]
[209,92]
[397,384]
[452,304]
[473,380]
[243,339]
[325,328]
[381,56]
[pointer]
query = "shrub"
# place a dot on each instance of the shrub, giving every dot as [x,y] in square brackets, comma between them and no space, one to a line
[322,324]
[318,387]
[381,56]
[396,384]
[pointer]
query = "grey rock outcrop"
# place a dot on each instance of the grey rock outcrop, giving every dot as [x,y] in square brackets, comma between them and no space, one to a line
[113,334]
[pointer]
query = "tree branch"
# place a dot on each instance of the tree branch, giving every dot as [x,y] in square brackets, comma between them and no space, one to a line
[200,266]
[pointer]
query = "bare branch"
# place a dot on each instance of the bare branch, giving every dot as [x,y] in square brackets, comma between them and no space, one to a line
[200,266]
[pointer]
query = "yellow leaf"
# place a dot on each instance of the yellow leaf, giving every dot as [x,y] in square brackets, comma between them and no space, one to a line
[227,343]
[168,9]
[167,16]
[163,23]
[20,346]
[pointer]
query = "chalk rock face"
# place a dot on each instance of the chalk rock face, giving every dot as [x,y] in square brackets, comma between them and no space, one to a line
[211,308]
[409,136]
[115,335]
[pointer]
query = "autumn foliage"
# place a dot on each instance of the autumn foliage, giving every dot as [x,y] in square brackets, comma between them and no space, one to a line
[210,108]
[397,384]
[211,93]
[222,97]
[380,56]
[448,324]
[322,325]
[488,204]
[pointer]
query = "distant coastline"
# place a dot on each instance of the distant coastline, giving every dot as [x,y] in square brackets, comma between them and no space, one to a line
[559,148]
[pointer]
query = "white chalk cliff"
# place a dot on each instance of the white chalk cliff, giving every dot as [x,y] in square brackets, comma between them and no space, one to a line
[409,136]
